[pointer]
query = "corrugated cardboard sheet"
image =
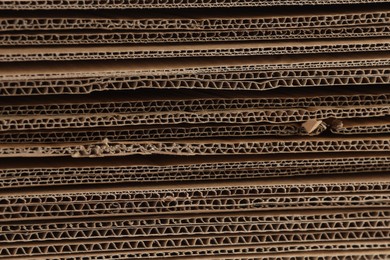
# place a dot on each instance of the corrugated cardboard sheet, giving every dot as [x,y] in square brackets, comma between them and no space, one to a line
[193,129]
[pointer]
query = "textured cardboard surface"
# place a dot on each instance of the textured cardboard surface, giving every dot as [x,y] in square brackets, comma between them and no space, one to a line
[163,169]
[202,147]
[49,53]
[250,73]
[196,20]
[205,133]
[140,4]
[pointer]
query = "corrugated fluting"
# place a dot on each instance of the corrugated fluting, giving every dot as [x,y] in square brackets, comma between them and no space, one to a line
[195,129]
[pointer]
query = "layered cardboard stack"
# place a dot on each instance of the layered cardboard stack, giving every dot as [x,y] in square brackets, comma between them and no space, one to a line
[192,129]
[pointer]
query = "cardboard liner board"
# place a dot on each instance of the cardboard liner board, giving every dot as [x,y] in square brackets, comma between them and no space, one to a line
[248,73]
[71,53]
[308,193]
[201,147]
[199,241]
[379,125]
[119,37]
[252,253]
[162,101]
[66,174]
[224,117]
[155,133]
[194,20]
[140,4]
[310,224]
[195,108]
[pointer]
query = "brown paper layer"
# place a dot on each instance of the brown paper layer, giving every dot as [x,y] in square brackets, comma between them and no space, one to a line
[309,193]
[118,37]
[190,226]
[70,53]
[85,78]
[201,147]
[194,20]
[185,169]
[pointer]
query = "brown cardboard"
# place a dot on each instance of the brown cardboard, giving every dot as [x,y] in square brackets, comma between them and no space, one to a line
[360,126]
[195,107]
[170,132]
[141,4]
[202,147]
[102,37]
[233,117]
[292,194]
[191,50]
[250,73]
[132,227]
[162,169]
[322,252]
[194,20]
[178,243]
[221,133]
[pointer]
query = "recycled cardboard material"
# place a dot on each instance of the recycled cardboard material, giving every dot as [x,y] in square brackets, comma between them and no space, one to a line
[134,129]
[191,50]
[359,126]
[140,4]
[249,73]
[266,195]
[202,147]
[196,20]
[103,37]
[154,133]
[195,107]
[252,253]
[230,224]
[157,169]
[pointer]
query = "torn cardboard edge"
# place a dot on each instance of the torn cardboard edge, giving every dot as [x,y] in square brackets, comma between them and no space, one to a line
[155,133]
[379,125]
[202,147]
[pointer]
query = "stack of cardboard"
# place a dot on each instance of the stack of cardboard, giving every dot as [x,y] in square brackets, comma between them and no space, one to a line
[192,129]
